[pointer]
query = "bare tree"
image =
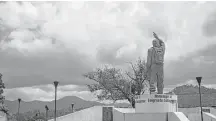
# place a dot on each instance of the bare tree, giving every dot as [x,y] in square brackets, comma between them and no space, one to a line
[138,77]
[114,84]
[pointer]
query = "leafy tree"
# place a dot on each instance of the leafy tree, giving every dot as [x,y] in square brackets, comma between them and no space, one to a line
[115,84]
[3,106]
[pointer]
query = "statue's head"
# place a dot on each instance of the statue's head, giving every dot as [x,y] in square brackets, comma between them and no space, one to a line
[155,43]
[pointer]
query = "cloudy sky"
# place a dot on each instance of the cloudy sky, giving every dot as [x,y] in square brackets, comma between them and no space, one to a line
[46,41]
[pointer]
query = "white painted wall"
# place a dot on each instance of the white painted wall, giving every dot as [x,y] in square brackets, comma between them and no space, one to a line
[187,111]
[3,118]
[145,117]
[118,115]
[155,108]
[89,114]
[213,111]
[197,117]
[125,110]
[122,115]
[209,117]
[177,116]
[128,114]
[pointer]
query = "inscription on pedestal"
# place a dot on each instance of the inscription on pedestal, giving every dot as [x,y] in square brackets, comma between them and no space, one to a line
[156,103]
[156,98]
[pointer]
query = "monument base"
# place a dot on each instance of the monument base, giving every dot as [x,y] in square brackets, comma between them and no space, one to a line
[156,103]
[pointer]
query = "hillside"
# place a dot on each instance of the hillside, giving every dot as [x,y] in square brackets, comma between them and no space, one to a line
[188,96]
[28,110]
[63,103]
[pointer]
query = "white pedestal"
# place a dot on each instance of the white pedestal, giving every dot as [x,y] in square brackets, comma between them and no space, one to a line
[156,103]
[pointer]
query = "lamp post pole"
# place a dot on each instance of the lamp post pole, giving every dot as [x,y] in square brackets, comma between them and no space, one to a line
[199,82]
[55,84]
[72,106]
[19,100]
[46,107]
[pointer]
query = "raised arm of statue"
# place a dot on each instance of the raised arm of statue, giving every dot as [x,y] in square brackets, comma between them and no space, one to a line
[162,44]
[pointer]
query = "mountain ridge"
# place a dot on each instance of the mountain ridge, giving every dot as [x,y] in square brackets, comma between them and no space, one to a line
[188,96]
[62,103]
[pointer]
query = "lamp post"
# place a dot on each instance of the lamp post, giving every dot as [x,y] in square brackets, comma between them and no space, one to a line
[46,107]
[199,82]
[55,84]
[72,106]
[19,100]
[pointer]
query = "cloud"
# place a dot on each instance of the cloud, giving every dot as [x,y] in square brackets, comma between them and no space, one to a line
[209,25]
[51,41]
[67,68]
[87,26]
[46,93]
[200,63]
[189,82]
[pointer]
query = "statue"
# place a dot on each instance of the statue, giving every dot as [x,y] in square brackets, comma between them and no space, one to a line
[155,62]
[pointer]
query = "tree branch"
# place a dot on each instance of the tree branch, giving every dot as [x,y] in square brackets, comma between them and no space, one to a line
[125,94]
[133,68]
[127,73]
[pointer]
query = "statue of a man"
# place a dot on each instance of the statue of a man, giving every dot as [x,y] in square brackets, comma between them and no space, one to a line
[155,62]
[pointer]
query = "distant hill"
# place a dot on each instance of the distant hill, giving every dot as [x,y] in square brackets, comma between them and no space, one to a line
[62,103]
[188,96]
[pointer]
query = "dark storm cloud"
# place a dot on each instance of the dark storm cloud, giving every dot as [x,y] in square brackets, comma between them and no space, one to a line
[108,54]
[200,63]
[209,27]
[20,71]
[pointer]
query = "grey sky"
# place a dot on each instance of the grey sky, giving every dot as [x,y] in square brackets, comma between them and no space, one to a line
[63,40]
